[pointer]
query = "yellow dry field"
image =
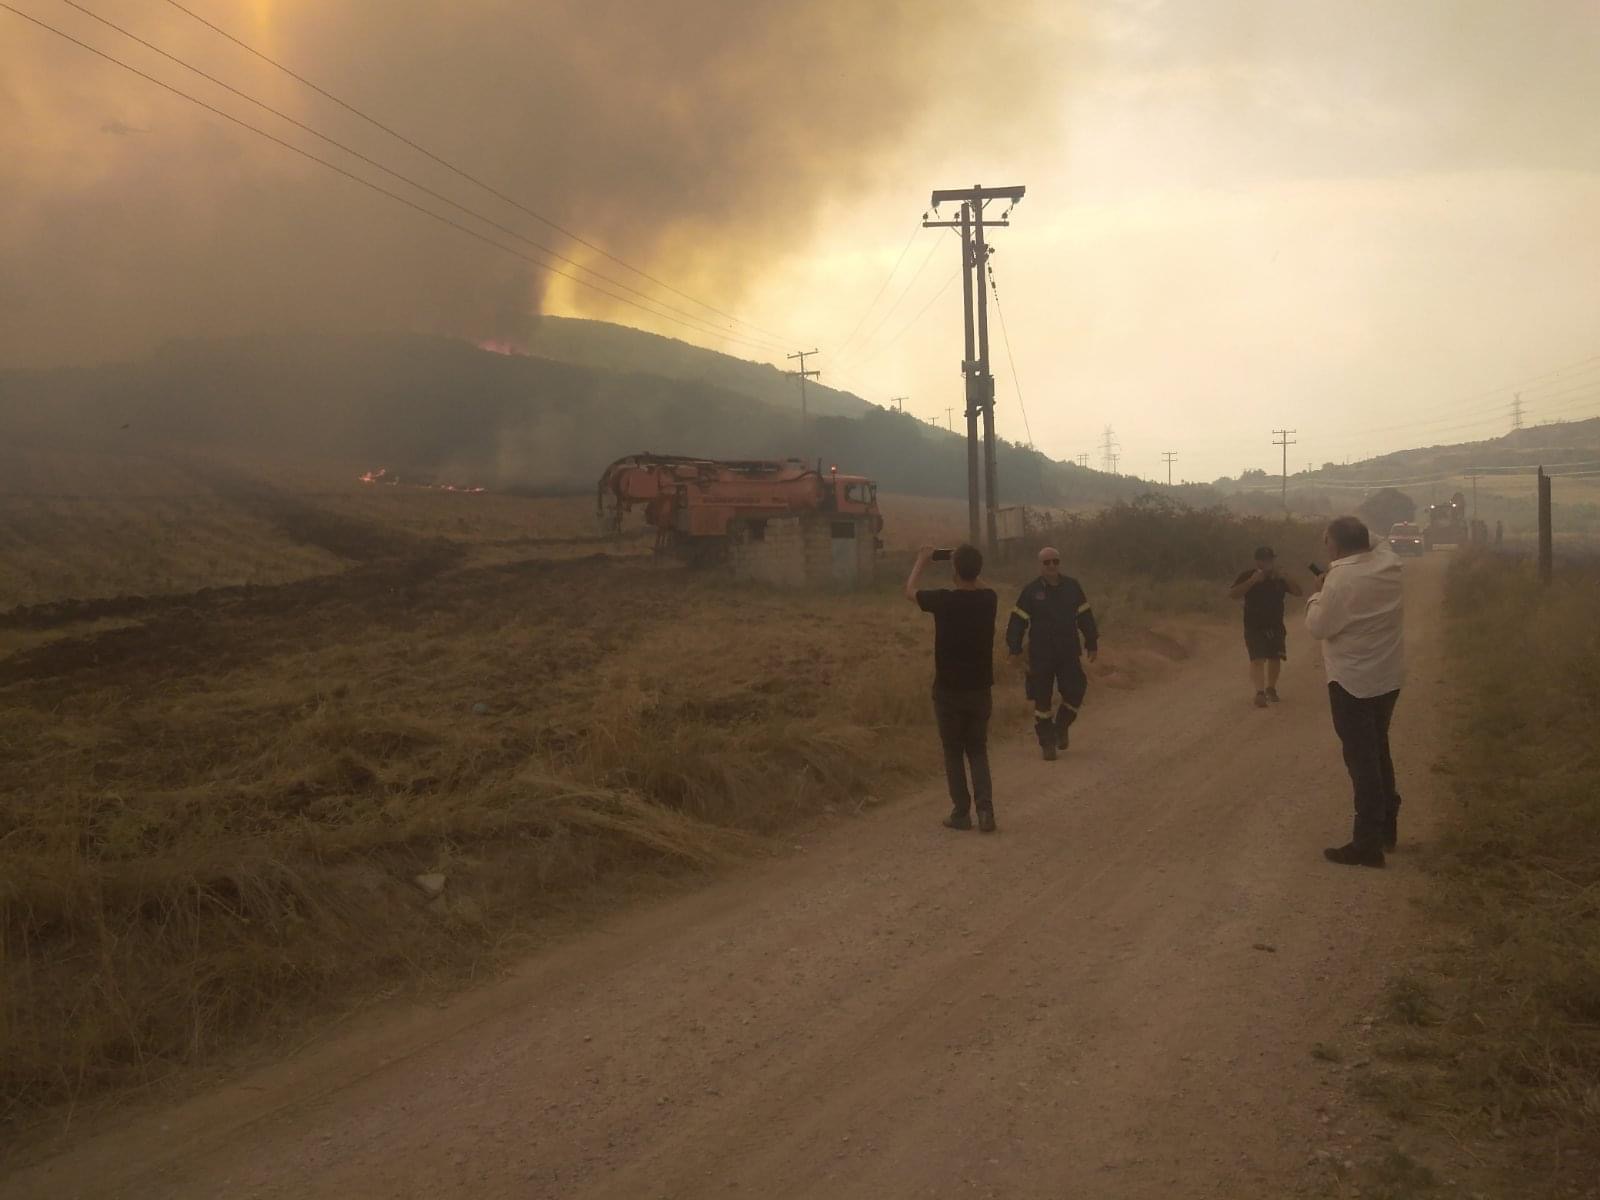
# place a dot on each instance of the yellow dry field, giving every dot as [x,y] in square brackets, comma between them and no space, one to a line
[84,525]
[90,526]
[214,803]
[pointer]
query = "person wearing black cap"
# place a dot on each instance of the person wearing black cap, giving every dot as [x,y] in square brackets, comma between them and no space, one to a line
[1262,589]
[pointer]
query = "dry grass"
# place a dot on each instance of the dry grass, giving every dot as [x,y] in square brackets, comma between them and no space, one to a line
[192,846]
[1495,1037]
[212,812]
[92,525]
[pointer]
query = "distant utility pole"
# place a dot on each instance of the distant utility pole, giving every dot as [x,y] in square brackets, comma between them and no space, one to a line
[899,403]
[948,423]
[1282,437]
[1108,451]
[802,375]
[1083,461]
[1516,411]
[1170,456]
[975,361]
[1546,546]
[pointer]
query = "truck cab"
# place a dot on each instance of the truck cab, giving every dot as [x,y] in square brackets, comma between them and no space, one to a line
[1405,538]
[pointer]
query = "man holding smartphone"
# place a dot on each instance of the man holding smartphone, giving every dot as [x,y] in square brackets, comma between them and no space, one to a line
[1356,612]
[963,674]
[1266,640]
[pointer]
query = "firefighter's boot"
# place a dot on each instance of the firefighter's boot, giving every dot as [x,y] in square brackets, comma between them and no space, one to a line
[1063,722]
[1045,730]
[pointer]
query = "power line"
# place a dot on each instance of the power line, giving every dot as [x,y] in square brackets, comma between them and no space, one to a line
[861,348]
[1005,337]
[1492,402]
[424,189]
[461,172]
[878,295]
[921,312]
[367,183]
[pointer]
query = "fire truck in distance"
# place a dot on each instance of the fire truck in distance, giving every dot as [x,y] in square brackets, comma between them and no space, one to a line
[695,505]
[1447,524]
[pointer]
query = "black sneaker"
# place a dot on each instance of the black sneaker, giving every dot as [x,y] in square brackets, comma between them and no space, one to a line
[1261,699]
[958,820]
[1272,694]
[1352,855]
[986,820]
[1049,752]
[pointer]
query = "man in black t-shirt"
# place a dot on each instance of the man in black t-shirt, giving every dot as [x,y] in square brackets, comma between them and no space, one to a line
[1262,589]
[963,673]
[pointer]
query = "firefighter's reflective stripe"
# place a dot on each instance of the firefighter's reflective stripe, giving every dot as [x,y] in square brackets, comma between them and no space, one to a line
[1018,612]
[1065,707]
[1084,607]
[1046,715]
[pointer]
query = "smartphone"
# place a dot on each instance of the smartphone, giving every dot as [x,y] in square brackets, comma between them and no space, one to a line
[1316,570]
[942,555]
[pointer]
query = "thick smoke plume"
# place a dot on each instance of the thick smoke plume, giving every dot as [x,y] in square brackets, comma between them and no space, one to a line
[697,138]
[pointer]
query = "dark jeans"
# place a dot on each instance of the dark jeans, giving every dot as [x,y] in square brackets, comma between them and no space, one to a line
[964,732]
[1045,677]
[1363,728]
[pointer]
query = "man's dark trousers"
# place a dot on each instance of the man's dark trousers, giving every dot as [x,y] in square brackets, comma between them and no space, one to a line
[1045,677]
[964,732]
[1363,729]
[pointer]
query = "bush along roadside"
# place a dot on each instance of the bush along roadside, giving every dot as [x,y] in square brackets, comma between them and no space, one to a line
[1496,1039]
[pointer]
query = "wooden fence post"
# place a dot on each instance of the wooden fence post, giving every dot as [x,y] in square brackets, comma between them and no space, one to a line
[1546,549]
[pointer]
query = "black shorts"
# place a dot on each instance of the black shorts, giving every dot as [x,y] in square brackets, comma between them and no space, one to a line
[1266,643]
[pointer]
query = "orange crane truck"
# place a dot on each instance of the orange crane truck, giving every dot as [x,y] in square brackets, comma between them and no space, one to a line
[696,505]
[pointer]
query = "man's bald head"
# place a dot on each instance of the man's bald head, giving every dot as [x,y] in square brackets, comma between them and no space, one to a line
[1050,563]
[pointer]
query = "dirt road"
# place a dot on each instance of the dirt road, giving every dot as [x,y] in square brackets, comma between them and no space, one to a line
[1115,997]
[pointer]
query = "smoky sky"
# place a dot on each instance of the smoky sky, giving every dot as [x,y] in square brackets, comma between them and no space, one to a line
[699,139]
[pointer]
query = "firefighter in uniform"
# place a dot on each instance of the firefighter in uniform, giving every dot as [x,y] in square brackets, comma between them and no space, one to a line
[1051,613]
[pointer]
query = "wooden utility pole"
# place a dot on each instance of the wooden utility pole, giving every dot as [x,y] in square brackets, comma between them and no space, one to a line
[975,360]
[1083,461]
[802,375]
[1546,546]
[1170,456]
[1282,437]
[948,422]
[899,403]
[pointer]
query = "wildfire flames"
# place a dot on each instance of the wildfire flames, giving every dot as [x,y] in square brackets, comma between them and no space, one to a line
[382,475]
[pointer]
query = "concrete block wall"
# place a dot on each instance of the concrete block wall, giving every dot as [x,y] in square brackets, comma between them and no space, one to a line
[799,552]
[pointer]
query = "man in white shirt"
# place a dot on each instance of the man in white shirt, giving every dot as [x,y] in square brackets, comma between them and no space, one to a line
[1355,611]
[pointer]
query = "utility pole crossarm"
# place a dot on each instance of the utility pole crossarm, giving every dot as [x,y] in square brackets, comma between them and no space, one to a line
[977,194]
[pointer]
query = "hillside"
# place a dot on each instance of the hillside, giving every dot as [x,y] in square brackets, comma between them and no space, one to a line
[1499,474]
[621,348]
[425,406]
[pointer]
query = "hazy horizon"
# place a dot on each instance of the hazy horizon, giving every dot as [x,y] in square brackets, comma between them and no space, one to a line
[1367,223]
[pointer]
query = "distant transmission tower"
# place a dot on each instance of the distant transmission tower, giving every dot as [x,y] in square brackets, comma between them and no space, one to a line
[1169,456]
[1109,446]
[1083,461]
[1516,412]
